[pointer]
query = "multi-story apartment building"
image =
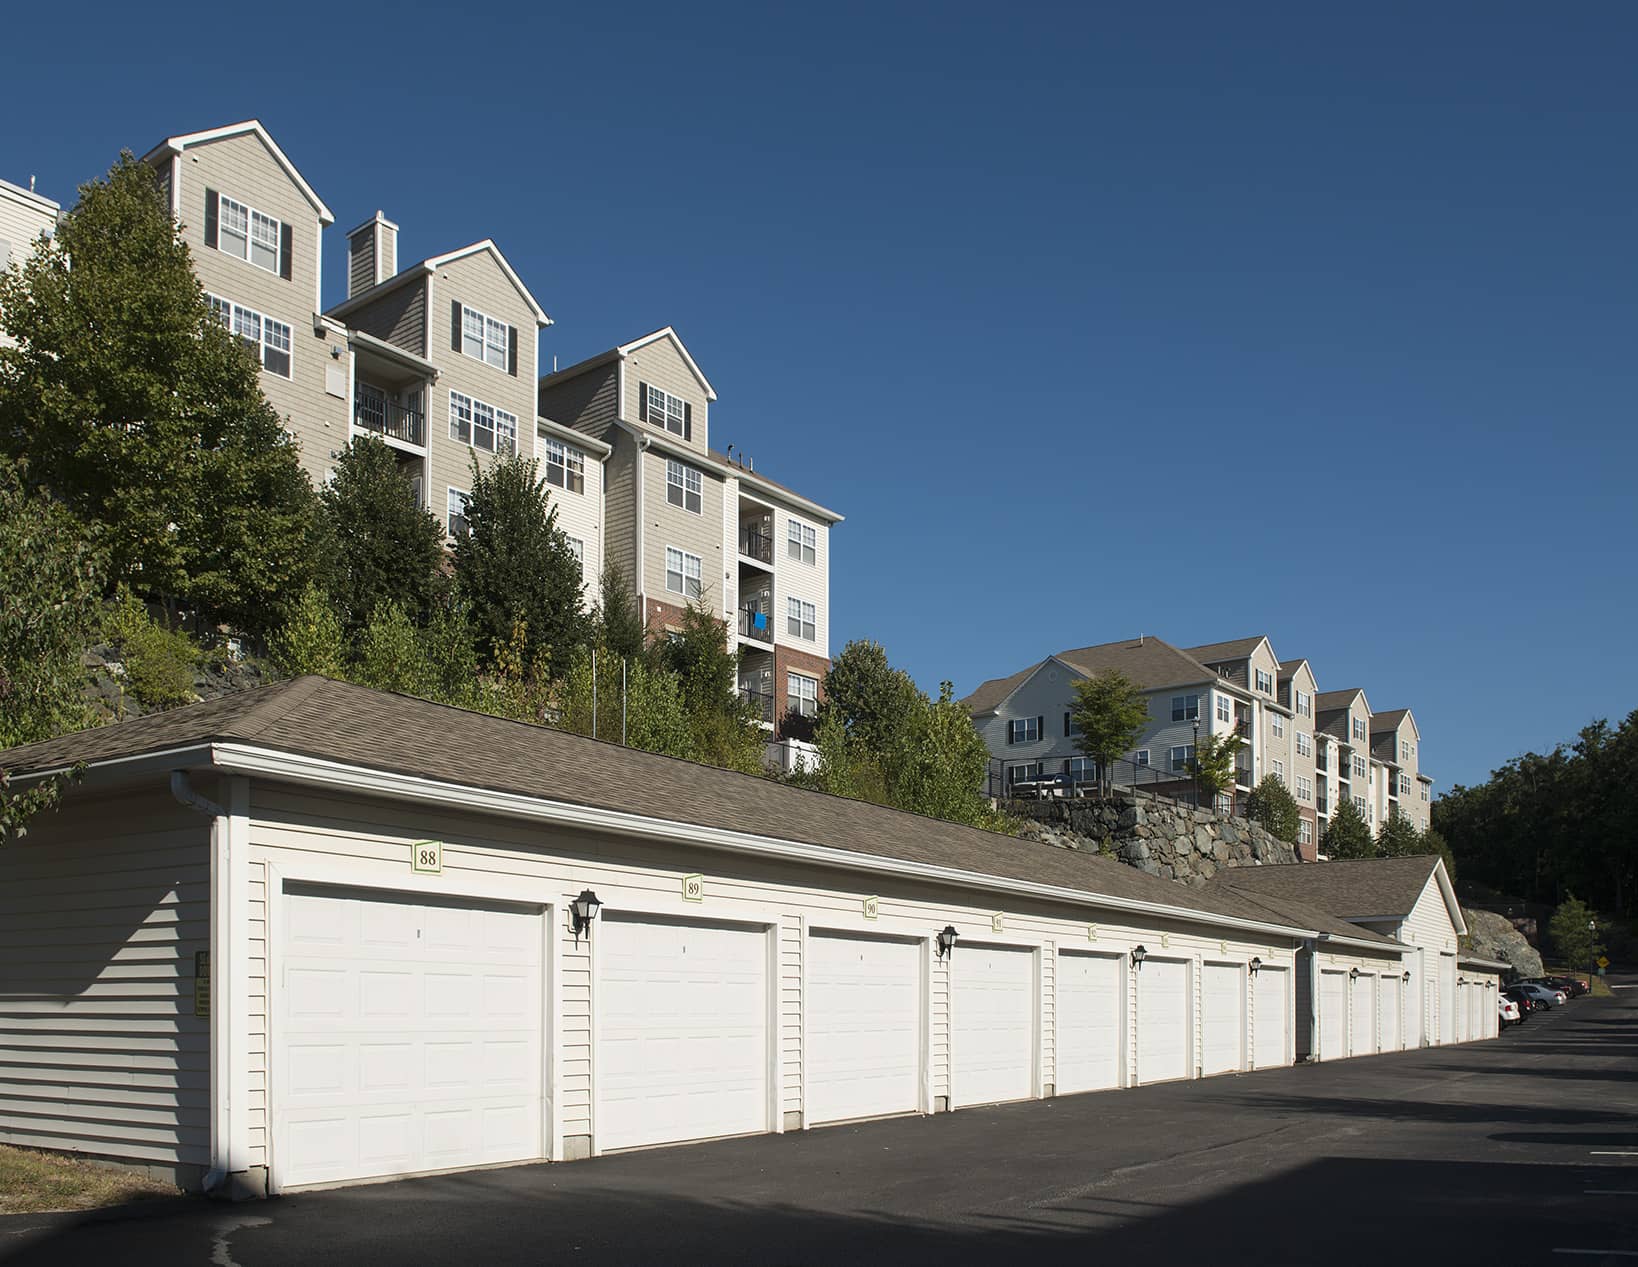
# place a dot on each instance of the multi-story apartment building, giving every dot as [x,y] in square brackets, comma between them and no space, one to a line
[25,217]
[686,523]
[1324,746]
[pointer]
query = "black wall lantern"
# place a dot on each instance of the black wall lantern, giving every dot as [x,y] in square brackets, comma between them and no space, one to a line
[1407,976]
[947,940]
[1139,954]
[584,909]
[1354,974]
[1256,965]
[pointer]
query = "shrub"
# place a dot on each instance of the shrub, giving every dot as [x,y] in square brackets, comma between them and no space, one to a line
[159,662]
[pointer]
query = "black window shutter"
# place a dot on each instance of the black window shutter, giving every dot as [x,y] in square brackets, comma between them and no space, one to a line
[455,325]
[210,217]
[1066,725]
[642,402]
[512,351]
[688,421]
[286,238]
[1040,727]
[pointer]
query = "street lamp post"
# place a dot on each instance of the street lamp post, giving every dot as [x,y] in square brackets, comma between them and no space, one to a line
[1592,953]
[1195,753]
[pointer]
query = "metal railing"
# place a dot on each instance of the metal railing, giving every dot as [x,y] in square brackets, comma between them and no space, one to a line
[750,628]
[374,412]
[756,544]
[1321,762]
[1066,778]
[761,701]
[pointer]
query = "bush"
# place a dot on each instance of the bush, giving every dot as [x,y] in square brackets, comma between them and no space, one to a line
[311,640]
[1272,805]
[159,662]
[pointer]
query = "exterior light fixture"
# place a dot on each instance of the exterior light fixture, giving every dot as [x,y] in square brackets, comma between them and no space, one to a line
[584,909]
[947,940]
[1139,954]
[1354,974]
[1407,976]
[1256,965]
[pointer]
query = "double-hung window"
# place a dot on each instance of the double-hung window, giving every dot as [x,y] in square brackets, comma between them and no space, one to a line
[682,485]
[1185,707]
[457,513]
[1182,758]
[1359,766]
[801,694]
[1225,709]
[1072,728]
[1404,750]
[1278,767]
[565,466]
[1265,682]
[1359,804]
[1305,788]
[666,410]
[1424,787]
[481,425]
[247,234]
[801,619]
[682,572]
[802,543]
[577,547]
[1305,704]
[1024,730]
[483,338]
[1081,770]
[1305,832]
[1278,724]
[1305,744]
[1141,757]
[1359,728]
[268,340]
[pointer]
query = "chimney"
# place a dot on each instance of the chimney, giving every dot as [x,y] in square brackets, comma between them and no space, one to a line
[372,253]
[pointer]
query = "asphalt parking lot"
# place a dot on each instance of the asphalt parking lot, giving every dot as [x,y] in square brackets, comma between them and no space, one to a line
[1519,1150]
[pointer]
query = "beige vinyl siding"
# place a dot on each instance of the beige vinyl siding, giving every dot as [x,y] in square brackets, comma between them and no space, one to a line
[663,366]
[587,402]
[22,219]
[1429,926]
[620,509]
[580,515]
[361,265]
[478,281]
[244,169]
[1386,963]
[337,838]
[667,525]
[399,317]
[793,579]
[102,906]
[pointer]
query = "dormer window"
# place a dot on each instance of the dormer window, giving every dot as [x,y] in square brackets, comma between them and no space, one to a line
[1359,728]
[662,409]
[1265,682]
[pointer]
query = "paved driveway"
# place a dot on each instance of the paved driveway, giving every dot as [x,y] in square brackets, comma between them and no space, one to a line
[1513,1151]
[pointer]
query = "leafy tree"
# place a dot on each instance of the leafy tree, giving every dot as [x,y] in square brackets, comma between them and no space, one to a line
[139,412]
[1431,842]
[50,576]
[159,662]
[514,568]
[834,770]
[654,718]
[452,665]
[1399,837]
[515,686]
[1272,805]
[1347,835]
[1110,711]
[383,546]
[310,640]
[619,622]
[941,774]
[1572,931]
[391,656]
[722,725]
[1213,765]
[872,700]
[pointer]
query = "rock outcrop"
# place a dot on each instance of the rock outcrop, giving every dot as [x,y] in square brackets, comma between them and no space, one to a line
[1492,936]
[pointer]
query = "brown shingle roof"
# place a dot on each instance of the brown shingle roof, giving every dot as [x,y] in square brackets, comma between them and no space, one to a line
[339,722]
[1326,701]
[1150,662]
[1352,889]
[1284,909]
[1235,649]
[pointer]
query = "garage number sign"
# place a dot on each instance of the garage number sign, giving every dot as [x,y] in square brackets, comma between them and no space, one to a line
[1091,932]
[427,857]
[871,907]
[997,924]
[693,888]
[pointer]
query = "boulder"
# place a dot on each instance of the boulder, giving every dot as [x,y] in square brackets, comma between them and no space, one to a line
[1492,936]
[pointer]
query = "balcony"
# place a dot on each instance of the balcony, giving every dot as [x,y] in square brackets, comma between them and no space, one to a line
[755,623]
[756,544]
[1243,728]
[1322,804]
[1322,762]
[1242,777]
[761,702]
[375,411]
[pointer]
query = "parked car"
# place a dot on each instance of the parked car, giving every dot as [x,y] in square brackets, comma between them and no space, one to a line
[1575,987]
[1510,1012]
[1526,1004]
[1545,995]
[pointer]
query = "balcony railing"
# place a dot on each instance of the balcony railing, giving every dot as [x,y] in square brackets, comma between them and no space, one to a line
[1242,776]
[1321,761]
[756,544]
[762,702]
[1322,804]
[374,412]
[755,623]
[1243,729]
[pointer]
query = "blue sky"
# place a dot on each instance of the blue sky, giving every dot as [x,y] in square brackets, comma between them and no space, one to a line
[1189,319]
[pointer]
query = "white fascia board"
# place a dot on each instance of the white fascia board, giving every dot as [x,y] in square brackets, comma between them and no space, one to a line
[667,332]
[319,772]
[488,244]
[115,770]
[176,144]
[1338,939]
[1499,965]
[1453,906]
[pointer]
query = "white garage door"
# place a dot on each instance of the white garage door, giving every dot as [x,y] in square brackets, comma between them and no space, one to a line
[682,1031]
[1223,1018]
[1091,1003]
[1163,1020]
[992,1044]
[1270,995]
[408,1036]
[1333,1007]
[1362,1030]
[1447,999]
[1388,1029]
[864,1027]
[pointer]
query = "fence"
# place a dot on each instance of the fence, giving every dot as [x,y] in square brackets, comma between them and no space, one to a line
[1066,778]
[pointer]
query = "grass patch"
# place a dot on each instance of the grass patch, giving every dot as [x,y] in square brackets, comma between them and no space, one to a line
[35,1183]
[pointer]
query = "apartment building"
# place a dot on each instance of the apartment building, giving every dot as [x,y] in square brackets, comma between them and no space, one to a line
[25,217]
[687,523]
[1324,746]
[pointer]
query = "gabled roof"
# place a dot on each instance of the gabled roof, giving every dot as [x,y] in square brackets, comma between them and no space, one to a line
[1148,661]
[1289,668]
[1388,722]
[626,349]
[1236,649]
[1332,701]
[1352,890]
[422,269]
[177,144]
[376,743]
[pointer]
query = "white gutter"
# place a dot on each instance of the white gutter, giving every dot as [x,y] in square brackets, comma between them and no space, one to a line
[643,442]
[319,772]
[1342,939]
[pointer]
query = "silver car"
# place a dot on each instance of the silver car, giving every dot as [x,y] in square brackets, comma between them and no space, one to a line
[1544,994]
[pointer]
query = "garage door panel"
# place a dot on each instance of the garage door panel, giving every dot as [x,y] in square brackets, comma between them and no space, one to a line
[864,1024]
[1223,1018]
[993,1024]
[384,1038]
[1270,1020]
[1164,1045]
[1362,1026]
[1333,1005]
[1090,1005]
[1390,1004]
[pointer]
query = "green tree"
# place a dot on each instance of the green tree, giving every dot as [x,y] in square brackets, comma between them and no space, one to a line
[452,664]
[1574,934]
[941,771]
[391,655]
[646,707]
[51,576]
[1347,835]
[722,725]
[311,639]
[1399,837]
[1272,805]
[1431,842]
[140,413]
[1213,764]
[514,567]
[619,622]
[383,546]
[833,772]
[872,700]
[1110,711]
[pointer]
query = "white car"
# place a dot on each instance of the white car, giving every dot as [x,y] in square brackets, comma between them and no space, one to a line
[1542,994]
[1510,1014]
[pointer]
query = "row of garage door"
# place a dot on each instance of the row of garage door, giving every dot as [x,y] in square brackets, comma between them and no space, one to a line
[409,1036]
[1366,1012]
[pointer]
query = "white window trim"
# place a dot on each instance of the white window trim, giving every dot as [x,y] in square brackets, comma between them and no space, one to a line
[1141,757]
[223,201]
[665,400]
[265,327]
[805,539]
[502,428]
[449,497]
[1278,725]
[488,326]
[1262,676]
[805,616]
[1225,709]
[570,464]
[1015,737]
[807,692]
[691,483]
[1182,702]
[1187,749]
[683,571]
